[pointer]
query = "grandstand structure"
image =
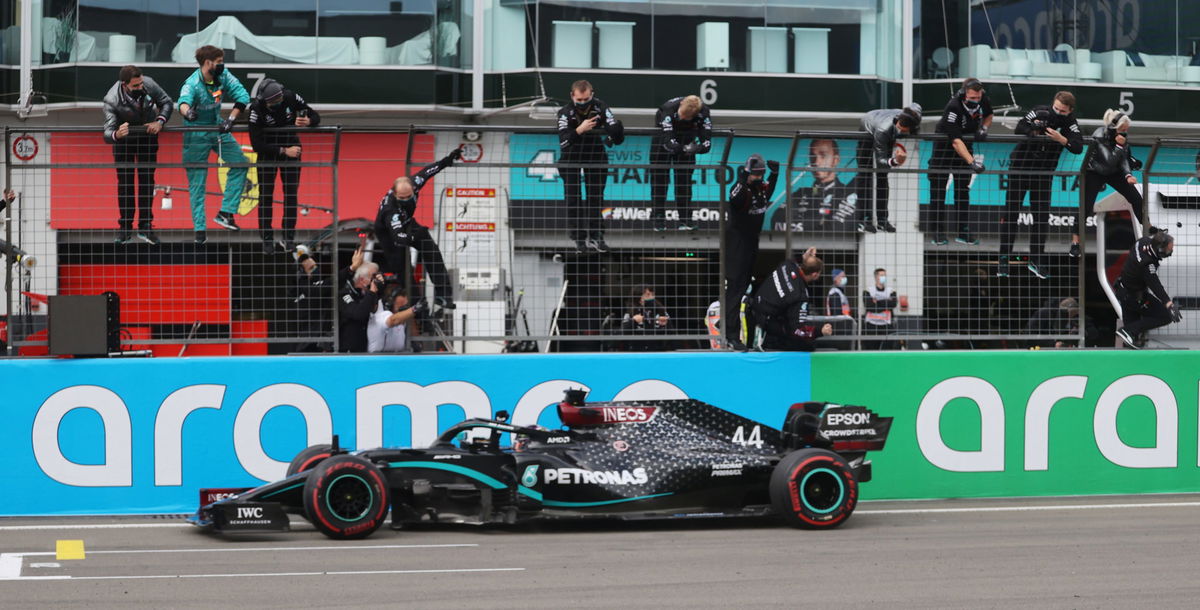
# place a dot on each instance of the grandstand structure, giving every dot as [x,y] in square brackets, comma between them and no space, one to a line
[401,85]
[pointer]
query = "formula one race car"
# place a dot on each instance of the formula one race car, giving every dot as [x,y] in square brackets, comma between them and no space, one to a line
[629,460]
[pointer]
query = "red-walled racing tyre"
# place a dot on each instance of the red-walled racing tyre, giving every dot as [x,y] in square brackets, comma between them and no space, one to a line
[813,489]
[308,458]
[346,497]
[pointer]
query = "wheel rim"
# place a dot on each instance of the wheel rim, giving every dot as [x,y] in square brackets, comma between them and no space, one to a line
[349,497]
[822,490]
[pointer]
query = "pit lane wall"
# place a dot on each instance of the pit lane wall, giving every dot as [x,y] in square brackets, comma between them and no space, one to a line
[122,436]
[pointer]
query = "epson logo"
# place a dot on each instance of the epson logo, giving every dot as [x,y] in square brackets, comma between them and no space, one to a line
[571,476]
[628,414]
[848,419]
[249,512]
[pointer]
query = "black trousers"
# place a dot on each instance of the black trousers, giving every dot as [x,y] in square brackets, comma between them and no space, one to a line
[1038,188]
[741,250]
[1093,183]
[662,165]
[948,219]
[872,187]
[143,151]
[428,255]
[583,213]
[1141,313]
[290,176]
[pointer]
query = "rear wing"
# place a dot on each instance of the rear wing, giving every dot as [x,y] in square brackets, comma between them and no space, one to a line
[840,428]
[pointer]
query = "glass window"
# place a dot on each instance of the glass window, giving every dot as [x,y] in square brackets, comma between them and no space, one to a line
[589,35]
[129,31]
[10,36]
[259,35]
[392,33]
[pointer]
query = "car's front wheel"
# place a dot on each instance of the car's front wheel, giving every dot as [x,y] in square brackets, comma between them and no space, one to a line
[346,497]
[814,489]
[308,458]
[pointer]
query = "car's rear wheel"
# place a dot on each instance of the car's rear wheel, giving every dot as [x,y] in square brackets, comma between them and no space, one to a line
[814,489]
[346,497]
[308,458]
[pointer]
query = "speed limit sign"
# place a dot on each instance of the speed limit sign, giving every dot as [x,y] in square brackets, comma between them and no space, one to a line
[25,147]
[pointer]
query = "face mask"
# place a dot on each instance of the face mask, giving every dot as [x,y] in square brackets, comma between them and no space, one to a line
[1060,113]
[647,301]
[217,69]
[584,104]
[883,280]
[841,282]
[410,201]
[971,104]
[137,93]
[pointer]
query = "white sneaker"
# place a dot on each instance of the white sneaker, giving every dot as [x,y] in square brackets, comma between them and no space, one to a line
[1126,338]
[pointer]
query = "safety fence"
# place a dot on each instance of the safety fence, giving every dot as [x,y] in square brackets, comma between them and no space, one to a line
[606,252]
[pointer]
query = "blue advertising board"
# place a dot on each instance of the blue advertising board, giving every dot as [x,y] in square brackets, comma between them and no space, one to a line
[139,437]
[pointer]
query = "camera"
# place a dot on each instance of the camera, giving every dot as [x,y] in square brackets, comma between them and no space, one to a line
[1041,118]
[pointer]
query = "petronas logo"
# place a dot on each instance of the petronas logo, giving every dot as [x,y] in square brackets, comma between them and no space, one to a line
[529,479]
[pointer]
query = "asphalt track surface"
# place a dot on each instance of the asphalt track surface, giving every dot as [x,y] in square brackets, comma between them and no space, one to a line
[1082,552]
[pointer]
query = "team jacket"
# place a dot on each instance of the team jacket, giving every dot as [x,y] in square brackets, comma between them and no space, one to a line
[1038,151]
[1139,275]
[120,107]
[748,202]
[392,220]
[958,120]
[880,126]
[677,133]
[206,98]
[589,147]
[270,144]
[1109,158]
[354,312]
[783,297]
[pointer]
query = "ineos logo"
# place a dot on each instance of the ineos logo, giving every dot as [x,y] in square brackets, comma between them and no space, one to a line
[628,414]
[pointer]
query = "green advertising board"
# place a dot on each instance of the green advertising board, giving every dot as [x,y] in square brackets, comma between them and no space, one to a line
[993,424]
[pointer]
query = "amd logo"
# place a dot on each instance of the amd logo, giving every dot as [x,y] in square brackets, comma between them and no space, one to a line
[249,512]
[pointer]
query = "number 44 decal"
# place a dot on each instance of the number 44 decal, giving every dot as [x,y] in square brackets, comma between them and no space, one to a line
[739,436]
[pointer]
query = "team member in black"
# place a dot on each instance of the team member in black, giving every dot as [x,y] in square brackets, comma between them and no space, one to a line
[359,296]
[1111,163]
[968,112]
[686,132]
[781,304]
[585,127]
[1050,129]
[277,106]
[748,201]
[135,101]
[876,152]
[1145,304]
[397,230]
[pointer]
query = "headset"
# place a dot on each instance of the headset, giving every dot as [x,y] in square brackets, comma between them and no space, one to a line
[1159,242]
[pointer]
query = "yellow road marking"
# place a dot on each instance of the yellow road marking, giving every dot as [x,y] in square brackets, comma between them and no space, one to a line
[69,549]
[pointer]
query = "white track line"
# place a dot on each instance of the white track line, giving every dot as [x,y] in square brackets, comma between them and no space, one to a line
[1003,509]
[93,526]
[264,574]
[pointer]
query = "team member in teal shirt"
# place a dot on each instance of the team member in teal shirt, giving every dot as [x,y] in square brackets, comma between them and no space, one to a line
[200,104]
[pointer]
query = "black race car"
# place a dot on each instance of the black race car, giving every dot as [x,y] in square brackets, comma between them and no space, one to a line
[629,460]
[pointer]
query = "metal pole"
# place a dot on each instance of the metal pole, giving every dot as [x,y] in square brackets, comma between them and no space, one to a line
[26,88]
[787,209]
[8,267]
[333,270]
[906,52]
[1081,231]
[477,57]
